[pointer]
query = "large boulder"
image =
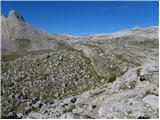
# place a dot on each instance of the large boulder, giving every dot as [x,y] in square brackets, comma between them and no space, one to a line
[152,101]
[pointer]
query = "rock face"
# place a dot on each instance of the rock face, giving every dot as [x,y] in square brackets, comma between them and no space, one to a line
[80,77]
[17,35]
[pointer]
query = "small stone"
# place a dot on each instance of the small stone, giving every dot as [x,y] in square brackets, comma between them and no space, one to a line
[65,105]
[46,111]
[65,85]
[13,115]
[94,106]
[57,94]
[102,80]
[20,115]
[101,54]
[73,100]
[142,78]
[34,101]
[40,105]
[48,56]
[51,102]
[36,115]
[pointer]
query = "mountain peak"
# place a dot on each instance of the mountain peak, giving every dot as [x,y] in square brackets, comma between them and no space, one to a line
[13,15]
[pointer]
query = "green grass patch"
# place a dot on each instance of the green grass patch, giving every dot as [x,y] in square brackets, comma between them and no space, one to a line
[11,57]
[138,71]
[15,55]
[112,77]
[119,56]
[19,107]
[132,84]
[98,93]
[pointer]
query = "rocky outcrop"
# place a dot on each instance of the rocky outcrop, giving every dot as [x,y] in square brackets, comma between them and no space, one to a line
[17,35]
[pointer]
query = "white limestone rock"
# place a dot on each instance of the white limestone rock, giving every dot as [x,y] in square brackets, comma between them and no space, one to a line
[152,101]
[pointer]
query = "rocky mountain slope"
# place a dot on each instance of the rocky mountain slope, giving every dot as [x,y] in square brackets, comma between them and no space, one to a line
[17,35]
[63,76]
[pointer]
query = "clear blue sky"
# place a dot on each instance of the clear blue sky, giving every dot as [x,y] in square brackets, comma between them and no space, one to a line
[85,17]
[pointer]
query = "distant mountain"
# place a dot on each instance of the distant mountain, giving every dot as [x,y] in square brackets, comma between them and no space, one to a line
[149,33]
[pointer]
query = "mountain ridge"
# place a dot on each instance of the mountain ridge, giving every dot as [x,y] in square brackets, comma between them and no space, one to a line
[15,27]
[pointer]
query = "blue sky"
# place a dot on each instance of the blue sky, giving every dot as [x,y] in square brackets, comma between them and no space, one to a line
[85,17]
